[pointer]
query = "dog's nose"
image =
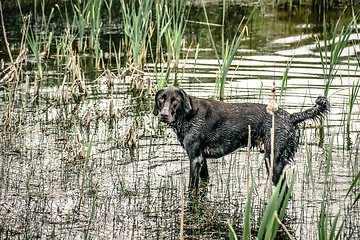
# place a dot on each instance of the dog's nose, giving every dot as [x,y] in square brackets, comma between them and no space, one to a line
[164,116]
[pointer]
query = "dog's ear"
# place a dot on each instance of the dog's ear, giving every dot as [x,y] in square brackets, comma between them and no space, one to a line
[187,102]
[156,109]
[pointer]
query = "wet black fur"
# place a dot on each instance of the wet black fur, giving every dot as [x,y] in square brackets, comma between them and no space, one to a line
[211,129]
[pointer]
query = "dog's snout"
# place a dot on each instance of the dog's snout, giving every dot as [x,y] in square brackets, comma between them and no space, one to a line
[165,116]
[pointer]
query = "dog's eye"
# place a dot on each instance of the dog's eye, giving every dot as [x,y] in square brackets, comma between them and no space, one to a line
[175,101]
[161,99]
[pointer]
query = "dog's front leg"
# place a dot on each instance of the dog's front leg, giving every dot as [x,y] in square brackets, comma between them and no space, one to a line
[196,164]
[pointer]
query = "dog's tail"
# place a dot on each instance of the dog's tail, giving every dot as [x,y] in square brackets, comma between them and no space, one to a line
[321,108]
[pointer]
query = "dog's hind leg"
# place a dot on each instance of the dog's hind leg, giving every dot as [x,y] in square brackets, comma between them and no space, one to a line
[278,165]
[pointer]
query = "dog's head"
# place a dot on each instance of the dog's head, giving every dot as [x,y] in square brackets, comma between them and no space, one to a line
[171,103]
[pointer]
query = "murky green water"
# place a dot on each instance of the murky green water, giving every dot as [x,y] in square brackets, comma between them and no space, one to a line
[130,186]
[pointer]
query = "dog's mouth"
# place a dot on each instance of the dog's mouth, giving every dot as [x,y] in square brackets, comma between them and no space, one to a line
[166,119]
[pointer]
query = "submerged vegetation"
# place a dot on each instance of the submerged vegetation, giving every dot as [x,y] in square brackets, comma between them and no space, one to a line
[81,156]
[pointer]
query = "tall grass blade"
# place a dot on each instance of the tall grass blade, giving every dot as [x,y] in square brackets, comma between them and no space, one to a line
[196,56]
[333,226]
[324,213]
[87,158]
[35,46]
[246,231]
[137,29]
[337,45]
[309,157]
[286,73]
[229,50]
[232,234]
[353,94]
[177,13]
[278,201]
[353,184]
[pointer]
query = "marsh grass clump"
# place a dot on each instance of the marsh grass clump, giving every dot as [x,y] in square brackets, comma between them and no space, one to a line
[177,14]
[39,38]
[328,226]
[138,29]
[330,60]
[228,50]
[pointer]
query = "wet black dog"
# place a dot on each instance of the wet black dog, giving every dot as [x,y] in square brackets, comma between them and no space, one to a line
[211,129]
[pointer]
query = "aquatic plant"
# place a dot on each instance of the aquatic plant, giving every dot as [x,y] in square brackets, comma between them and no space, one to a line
[353,94]
[39,40]
[247,223]
[162,23]
[273,214]
[170,19]
[309,162]
[81,12]
[117,53]
[162,77]
[228,50]
[87,15]
[35,46]
[94,39]
[177,14]
[137,28]
[333,231]
[275,210]
[337,45]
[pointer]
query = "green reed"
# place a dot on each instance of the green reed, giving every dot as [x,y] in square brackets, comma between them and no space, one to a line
[330,61]
[81,12]
[48,34]
[285,78]
[94,40]
[162,24]
[60,44]
[117,53]
[324,216]
[247,224]
[39,40]
[275,210]
[109,5]
[327,228]
[177,14]
[309,157]
[35,46]
[228,50]
[87,19]
[162,78]
[138,29]
[324,219]
[353,94]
